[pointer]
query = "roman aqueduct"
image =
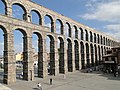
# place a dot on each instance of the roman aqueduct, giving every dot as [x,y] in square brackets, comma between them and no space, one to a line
[80,50]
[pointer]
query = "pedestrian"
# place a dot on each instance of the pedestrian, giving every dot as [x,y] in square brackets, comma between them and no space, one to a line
[39,86]
[50,81]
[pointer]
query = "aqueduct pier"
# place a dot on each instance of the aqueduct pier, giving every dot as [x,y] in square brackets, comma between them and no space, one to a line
[84,49]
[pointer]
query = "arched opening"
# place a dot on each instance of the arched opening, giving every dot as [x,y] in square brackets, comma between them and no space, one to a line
[99,54]
[35,17]
[75,32]
[82,55]
[94,38]
[104,40]
[69,56]
[19,12]
[98,39]
[86,35]
[48,21]
[102,50]
[101,40]
[20,46]
[2,55]
[50,54]
[92,55]
[79,34]
[91,37]
[2,7]
[76,47]
[82,34]
[59,27]
[61,55]
[96,57]
[68,30]
[87,55]
[37,50]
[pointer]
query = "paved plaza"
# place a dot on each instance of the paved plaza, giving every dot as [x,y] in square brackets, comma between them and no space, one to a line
[72,81]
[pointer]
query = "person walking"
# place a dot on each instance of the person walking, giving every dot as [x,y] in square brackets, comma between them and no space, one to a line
[39,86]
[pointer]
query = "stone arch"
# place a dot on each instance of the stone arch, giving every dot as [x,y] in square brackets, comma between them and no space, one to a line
[91,37]
[82,55]
[68,32]
[106,42]
[75,32]
[4,49]
[96,54]
[99,55]
[3,28]
[98,39]
[102,50]
[92,54]
[87,55]
[24,52]
[94,37]
[82,34]
[39,16]
[69,55]
[60,28]
[23,31]
[61,55]
[101,42]
[24,16]
[51,23]
[86,35]
[76,49]
[52,55]
[40,54]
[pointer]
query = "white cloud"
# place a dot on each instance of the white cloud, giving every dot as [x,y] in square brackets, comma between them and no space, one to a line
[113,30]
[104,11]
[113,27]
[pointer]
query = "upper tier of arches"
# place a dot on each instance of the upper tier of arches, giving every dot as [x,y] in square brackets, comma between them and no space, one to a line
[66,26]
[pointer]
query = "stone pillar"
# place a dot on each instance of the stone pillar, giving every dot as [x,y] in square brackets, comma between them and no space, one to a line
[85,56]
[97,55]
[73,57]
[56,58]
[93,55]
[65,58]
[100,56]
[9,59]
[42,63]
[53,26]
[8,10]
[90,60]
[80,67]
[29,18]
[28,70]
[42,20]
[62,30]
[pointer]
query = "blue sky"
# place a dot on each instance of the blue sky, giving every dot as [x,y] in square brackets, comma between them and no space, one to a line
[102,15]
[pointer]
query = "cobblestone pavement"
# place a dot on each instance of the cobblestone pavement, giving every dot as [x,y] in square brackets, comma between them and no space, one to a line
[3,87]
[73,81]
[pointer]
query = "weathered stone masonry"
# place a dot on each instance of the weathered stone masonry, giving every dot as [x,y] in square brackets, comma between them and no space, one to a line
[74,53]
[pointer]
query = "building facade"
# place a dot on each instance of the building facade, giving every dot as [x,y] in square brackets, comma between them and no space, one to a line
[79,46]
[111,60]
